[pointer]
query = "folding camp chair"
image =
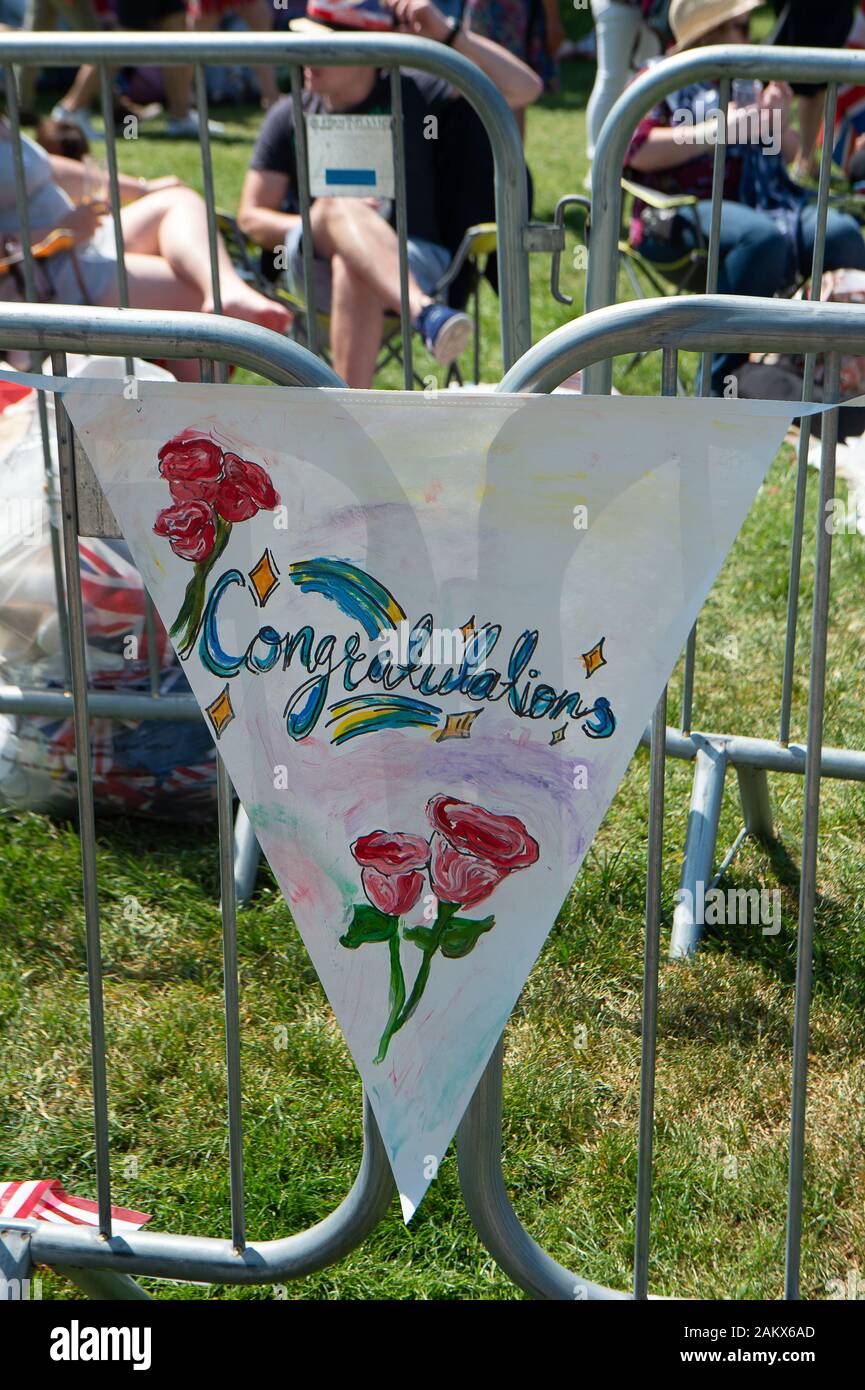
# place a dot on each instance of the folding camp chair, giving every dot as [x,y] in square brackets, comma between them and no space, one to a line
[12,262]
[684,275]
[460,283]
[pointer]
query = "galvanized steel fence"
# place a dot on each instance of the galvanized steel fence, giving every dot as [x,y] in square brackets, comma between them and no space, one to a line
[721,65]
[709,324]
[101,1263]
[515,237]
[105,1265]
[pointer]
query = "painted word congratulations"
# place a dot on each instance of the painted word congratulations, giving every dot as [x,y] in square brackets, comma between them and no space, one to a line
[322,658]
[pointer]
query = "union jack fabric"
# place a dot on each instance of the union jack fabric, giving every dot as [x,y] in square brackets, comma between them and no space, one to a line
[43,1199]
[850,117]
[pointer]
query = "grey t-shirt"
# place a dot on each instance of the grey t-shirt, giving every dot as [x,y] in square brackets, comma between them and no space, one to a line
[47,204]
[90,276]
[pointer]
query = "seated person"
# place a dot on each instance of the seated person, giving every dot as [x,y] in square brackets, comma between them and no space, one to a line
[768,223]
[165,236]
[357,260]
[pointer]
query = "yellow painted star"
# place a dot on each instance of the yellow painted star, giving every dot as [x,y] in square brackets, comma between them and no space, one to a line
[458,725]
[594,658]
[220,712]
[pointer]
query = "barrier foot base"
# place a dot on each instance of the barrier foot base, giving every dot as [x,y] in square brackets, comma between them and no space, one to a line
[103,1284]
[247,857]
[703,819]
[479,1139]
[756,803]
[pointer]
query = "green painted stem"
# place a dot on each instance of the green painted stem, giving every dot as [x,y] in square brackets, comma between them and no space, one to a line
[445,912]
[397,996]
[188,620]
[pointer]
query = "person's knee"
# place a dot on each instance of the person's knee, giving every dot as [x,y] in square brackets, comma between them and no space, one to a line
[179,196]
[350,290]
[333,212]
[757,262]
[339,222]
[845,246]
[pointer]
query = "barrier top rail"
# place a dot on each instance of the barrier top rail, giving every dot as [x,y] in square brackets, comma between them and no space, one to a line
[689,323]
[716,63]
[67,328]
[384,51]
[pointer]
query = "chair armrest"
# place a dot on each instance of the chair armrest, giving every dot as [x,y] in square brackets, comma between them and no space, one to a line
[654,199]
[479,240]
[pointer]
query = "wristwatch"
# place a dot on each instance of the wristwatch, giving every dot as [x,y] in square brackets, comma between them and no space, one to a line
[456,28]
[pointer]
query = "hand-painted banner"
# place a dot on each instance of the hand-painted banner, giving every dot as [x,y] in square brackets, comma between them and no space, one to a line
[427,635]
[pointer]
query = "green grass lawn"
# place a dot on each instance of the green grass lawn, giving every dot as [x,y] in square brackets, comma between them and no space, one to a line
[570,1110]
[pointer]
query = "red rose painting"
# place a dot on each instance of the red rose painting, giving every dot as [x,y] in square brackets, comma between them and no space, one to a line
[471,851]
[474,849]
[211,489]
[190,528]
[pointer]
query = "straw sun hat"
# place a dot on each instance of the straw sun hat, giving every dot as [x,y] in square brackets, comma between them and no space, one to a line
[691,20]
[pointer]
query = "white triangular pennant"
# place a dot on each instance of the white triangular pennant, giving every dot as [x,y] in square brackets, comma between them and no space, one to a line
[427,634]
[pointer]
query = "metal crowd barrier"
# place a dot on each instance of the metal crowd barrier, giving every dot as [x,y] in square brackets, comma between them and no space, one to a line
[56,330]
[709,324]
[722,65]
[105,1265]
[515,236]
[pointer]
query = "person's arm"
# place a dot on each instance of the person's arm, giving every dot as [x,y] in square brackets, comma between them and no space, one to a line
[76,180]
[259,214]
[515,80]
[777,99]
[666,147]
[82,222]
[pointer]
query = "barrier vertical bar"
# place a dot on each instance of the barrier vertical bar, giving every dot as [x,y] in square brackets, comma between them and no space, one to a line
[207,178]
[232,1006]
[228,910]
[713,264]
[705,378]
[87,820]
[398,137]
[303,198]
[23,214]
[652,953]
[817,264]
[808,882]
[107,104]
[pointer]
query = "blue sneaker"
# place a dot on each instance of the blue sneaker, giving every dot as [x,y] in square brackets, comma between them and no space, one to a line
[445,332]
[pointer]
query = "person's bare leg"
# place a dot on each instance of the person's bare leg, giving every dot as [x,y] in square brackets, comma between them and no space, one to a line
[177,80]
[154,285]
[40,17]
[356,319]
[259,17]
[350,228]
[810,120]
[172,223]
[84,89]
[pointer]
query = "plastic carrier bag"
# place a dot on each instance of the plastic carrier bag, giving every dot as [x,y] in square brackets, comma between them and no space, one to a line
[140,767]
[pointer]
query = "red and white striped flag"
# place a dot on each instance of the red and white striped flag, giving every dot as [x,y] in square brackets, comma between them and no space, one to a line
[45,1200]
